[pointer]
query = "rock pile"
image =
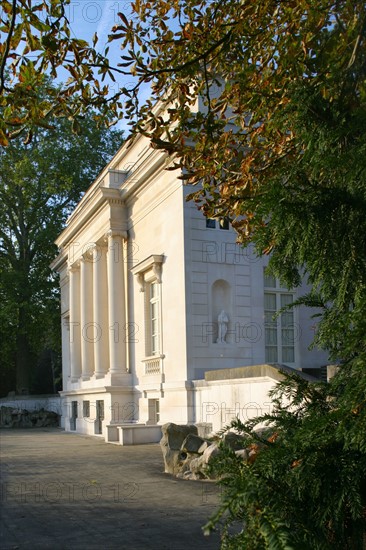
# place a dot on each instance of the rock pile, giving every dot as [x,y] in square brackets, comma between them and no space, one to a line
[11,417]
[187,455]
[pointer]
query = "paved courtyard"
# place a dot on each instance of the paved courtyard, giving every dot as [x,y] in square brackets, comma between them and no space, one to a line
[68,491]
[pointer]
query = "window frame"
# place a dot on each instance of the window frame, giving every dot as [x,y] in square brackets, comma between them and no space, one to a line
[149,272]
[153,405]
[152,336]
[284,324]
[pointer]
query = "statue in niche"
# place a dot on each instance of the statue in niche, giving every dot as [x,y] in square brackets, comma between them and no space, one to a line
[222,321]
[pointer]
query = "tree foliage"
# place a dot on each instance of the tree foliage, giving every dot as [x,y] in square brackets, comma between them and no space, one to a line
[304,485]
[278,144]
[36,42]
[40,183]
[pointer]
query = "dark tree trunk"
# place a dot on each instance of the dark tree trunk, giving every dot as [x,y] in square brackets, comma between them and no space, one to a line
[23,356]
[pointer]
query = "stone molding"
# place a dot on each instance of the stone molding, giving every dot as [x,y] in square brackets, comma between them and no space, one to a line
[151,265]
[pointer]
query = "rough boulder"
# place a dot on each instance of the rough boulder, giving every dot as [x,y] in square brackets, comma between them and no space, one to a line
[173,437]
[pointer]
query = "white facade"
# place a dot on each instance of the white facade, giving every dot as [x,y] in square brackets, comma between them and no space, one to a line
[143,282]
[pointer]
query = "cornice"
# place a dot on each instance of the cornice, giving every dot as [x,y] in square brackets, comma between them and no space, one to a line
[113,196]
[146,264]
[154,263]
[59,262]
[79,219]
[140,176]
[100,389]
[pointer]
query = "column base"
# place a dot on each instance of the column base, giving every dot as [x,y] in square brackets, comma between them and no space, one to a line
[118,371]
[120,378]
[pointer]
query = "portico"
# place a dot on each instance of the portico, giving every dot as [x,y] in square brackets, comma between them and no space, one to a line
[91,264]
[98,310]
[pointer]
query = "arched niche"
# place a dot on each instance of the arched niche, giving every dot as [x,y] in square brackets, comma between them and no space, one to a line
[221,301]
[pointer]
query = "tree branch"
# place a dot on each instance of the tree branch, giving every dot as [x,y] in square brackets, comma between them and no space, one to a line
[7,47]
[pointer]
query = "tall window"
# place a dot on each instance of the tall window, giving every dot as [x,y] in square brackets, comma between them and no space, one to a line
[86,409]
[279,330]
[153,319]
[154,411]
[74,415]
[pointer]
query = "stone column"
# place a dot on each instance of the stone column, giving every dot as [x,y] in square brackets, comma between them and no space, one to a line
[65,350]
[88,331]
[75,329]
[100,302]
[116,303]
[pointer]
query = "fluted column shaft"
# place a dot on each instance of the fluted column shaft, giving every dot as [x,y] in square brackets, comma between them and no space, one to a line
[88,330]
[100,301]
[75,329]
[116,305]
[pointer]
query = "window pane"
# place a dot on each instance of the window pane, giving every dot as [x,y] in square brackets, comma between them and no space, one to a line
[286,299]
[224,223]
[271,330]
[268,318]
[154,310]
[270,301]
[287,336]
[154,326]
[86,409]
[210,223]
[154,344]
[271,354]
[288,354]
[269,280]
[154,323]
[271,336]
[287,319]
[153,290]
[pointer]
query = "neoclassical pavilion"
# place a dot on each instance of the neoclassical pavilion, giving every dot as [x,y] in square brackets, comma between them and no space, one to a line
[153,296]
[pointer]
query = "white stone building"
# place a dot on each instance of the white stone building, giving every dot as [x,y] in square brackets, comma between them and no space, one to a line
[144,279]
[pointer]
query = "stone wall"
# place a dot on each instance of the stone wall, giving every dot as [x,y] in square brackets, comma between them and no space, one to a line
[11,417]
[237,393]
[19,411]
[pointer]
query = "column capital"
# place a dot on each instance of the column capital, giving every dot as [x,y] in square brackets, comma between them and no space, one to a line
[115,233]
[87,256]
[97,245]
[73,268]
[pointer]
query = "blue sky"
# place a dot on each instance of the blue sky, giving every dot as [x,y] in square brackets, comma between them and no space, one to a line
[87,17]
